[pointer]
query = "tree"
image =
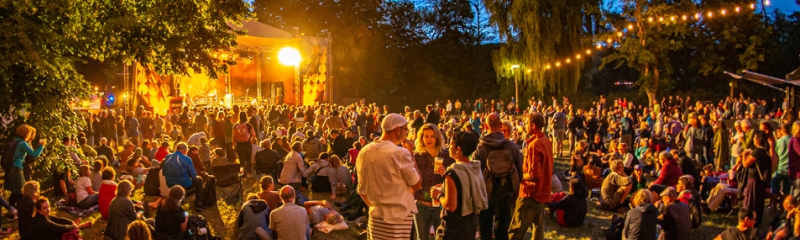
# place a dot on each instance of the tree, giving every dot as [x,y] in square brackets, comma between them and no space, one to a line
[537,32]
[42,42]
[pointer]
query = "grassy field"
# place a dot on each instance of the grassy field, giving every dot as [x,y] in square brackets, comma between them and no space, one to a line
[222,220]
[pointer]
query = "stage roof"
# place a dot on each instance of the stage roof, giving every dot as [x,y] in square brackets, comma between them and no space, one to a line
[261,37]
[771,82]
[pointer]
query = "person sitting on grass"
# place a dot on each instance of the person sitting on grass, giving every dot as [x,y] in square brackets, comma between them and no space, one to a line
[785,225]
[85,196]
[570,209]
[108,190]
[138,230]
[121,211]
[45,226]
[641,220]
[746,229]
[616,187]
[253,219]
[268,194]
[171,219]
[97,174]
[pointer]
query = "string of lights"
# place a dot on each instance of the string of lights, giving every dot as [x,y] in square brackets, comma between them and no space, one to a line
[663,19]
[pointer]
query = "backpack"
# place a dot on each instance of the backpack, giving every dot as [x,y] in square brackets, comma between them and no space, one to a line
[501,171]
[193,227]
[8,155]
[614,232]
[241,132]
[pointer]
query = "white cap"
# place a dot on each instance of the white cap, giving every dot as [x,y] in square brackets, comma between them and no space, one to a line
[392,121]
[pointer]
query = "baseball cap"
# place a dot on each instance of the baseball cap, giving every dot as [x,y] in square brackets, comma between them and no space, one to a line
[392,121]
[669,192]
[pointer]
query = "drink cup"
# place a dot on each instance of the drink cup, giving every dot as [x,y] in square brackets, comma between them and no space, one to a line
[435,200]
[438,163]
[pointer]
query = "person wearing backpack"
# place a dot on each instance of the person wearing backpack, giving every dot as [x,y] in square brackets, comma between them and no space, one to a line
[14,178]
[243,137]
[502,175]
[690,196]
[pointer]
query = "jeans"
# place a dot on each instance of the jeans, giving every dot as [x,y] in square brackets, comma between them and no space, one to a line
[88,202]
[497,218]
[8,207]
[424,219]
[528,213]
[244,150]
[199,192]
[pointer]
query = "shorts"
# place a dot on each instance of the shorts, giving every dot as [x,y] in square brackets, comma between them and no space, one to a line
[777,181]
[560,135]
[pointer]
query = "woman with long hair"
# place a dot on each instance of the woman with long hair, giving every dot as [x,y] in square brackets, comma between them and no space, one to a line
[432,159]
[722,148]
[463,193]
[757,165]
[27,207]
[695,140]
[138,230]
[52,227]
[339,177]
[218,130]
[14,178]
[171,219]
[121,212]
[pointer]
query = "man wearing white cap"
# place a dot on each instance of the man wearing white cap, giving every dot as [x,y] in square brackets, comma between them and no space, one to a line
[387,179]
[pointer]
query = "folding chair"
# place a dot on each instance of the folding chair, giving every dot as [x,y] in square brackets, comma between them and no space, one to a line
[229,182]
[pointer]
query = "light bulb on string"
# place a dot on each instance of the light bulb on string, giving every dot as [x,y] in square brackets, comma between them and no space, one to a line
[766,2]
[697,15]
[609,40]
[588,51]
[684,17]
[619,34]
[737,9]
[558,64]
[660,19]
[650,19]
[710,14]
[630,26]
[578,56]
[672,18]
[752,6]
[547,67]
[599,46]
[722,12]
[568,60]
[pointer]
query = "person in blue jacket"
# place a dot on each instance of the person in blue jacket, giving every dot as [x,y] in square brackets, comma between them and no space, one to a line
[14,178]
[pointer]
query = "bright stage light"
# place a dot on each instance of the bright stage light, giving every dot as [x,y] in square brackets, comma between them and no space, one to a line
[289,56]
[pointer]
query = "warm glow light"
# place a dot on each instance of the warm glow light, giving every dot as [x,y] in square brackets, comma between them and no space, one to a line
[95,89]
[599,46]
[223,56]
[619,34]
[567,60]
[529,71]
[124,96]
[289,56]
[672,18]
[578,56]
[737,9]
[752,6]
[697,15]
[558,64]
[650,19]
[710,14]
[630,26]
[684,17]
[722,12]
[660,19]
[588,51]
[608,40]
[766,3]
[515,66]
[547,67]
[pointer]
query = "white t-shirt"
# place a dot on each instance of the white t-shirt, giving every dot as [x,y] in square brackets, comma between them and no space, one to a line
[386,172]
[80,188]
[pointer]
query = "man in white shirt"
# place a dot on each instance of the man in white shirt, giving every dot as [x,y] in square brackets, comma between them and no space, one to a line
[388,177]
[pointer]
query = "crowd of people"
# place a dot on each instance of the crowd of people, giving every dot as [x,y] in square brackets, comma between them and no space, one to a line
[459,171]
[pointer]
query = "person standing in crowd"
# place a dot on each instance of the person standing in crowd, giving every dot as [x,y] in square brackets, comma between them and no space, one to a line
[429,146]
[641,220]
[386,172]
[794,159]
[534,192]
[576,128]
[433,116]
[780,184]
[721,145]
[463,193]
[559,126]
[244,135]
[758,164]
[14,178]
[501,199]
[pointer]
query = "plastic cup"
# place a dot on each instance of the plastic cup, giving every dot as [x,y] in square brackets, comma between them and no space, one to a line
[438,163]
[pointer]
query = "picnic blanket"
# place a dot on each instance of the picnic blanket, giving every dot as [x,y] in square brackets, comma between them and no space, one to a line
[77,211]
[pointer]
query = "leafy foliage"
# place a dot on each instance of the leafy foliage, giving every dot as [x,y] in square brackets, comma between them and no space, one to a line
[43,41]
